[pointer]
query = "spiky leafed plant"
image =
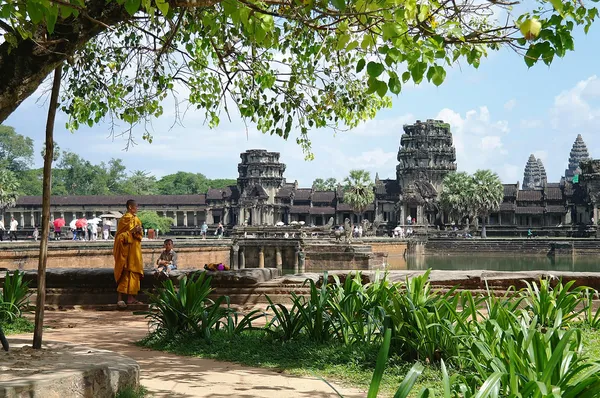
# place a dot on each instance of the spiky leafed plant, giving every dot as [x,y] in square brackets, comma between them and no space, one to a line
[358,190]
[456,195]
[486,196]
[9,187]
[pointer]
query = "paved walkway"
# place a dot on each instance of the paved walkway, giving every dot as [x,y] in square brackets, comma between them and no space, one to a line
[169,375]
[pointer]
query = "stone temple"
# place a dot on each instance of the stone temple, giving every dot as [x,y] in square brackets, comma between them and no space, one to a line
[263,196]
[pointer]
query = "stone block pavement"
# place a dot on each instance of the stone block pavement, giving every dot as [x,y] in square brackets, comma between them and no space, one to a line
[169,375]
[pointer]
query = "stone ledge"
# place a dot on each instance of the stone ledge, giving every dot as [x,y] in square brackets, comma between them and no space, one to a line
[64,370]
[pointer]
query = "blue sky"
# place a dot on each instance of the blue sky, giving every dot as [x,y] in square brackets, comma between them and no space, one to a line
[499,113]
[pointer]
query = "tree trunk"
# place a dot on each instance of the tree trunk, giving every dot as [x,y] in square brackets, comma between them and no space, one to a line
[483,231]
[40,301]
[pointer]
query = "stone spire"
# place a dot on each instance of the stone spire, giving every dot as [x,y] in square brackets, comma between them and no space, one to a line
[531,176]
[578,153]
[543,176]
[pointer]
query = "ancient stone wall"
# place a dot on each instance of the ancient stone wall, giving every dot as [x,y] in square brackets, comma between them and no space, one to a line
[535,246]
[100,255]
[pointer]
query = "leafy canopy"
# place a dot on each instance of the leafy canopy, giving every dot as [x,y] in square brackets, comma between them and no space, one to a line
[329,184]
[151,220]
[359,190]
[465,196]
[286,65]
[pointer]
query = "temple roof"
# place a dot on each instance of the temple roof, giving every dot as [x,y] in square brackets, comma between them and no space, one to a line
[578,153]
[529,195]
[114,200]
[510,190]
[556,209]
[553,193]
[507,207]
[323,196]
[529,210]
[303,194]
[230,192]
[387,187]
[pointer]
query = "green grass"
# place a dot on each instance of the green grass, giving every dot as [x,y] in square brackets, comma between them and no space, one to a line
[19,325]
[351,365]
[131,392]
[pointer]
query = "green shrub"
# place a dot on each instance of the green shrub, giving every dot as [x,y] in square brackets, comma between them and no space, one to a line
[14,297]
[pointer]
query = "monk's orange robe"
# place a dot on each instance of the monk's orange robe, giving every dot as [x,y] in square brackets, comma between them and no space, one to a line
[127,250]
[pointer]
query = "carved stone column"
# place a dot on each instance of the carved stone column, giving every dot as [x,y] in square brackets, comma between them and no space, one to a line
[195,219]
[242,259]
[33,219]
[62,215]
[235,254]
[261,257]
[296,255]
[278,261]
[209,216]
[22,221]
[301,261]
[185,221]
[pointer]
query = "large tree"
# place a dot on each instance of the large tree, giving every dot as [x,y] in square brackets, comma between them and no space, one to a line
[359,190]
[140,183]
[16,150]
[329,184]
[183,183]
[285,64]
[9,189]
[487,194]
[464,196]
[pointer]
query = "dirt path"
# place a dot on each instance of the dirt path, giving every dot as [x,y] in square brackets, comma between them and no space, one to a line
[169,375]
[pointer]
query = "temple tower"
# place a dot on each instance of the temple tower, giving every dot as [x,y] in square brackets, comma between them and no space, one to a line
[260,175]
[532,176]
[579,152]
[543,176]
[425,157]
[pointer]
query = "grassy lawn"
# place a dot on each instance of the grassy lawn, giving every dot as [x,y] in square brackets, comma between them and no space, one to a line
[19,325]
[350,365]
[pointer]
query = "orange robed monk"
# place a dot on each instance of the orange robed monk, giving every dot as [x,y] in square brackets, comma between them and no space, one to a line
[129,266]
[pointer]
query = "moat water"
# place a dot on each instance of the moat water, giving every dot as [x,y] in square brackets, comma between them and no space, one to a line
[499,263]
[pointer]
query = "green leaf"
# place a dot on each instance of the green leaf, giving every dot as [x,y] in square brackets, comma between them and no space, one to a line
[51,17]
[163,6]
[339,4]
[438,76]
[374,69]
[394,85]
[417,71]
[360,65]
[558,5]
[132,6]
[343,39]
[35,11]
[532,55]
[382,89]
[405,76]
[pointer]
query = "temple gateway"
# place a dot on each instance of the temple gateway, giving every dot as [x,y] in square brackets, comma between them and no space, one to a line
[263,196]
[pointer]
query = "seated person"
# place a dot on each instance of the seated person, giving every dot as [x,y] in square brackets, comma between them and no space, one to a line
[216,267]
[167,260]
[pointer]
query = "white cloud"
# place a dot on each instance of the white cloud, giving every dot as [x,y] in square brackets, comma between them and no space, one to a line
[577,108]
[477,138]
[531,124]
[510,104]
[381,127]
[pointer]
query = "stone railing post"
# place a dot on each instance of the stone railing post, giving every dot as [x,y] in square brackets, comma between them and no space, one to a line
[235,257]
[278,261]
[296,255]
[261,257]
[242,259]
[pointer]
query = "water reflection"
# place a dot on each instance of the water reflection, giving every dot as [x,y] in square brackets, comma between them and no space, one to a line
[502,263]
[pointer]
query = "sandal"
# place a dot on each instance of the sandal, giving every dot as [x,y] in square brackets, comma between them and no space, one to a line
[121,304]
[135,302]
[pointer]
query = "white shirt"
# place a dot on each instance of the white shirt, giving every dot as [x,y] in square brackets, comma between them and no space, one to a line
[13,225]
[2,225]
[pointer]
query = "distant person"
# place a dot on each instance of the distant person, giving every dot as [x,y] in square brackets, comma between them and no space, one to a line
[219,231]
[13,229]
[2,230]
[36,234]
[105,230]
[529,234]
[204,230]
[408,220]
[167,260]
[127,251]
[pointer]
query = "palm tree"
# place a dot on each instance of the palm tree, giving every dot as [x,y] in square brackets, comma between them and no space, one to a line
[358,190]
[488,193]
[9,187]
[455,198]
